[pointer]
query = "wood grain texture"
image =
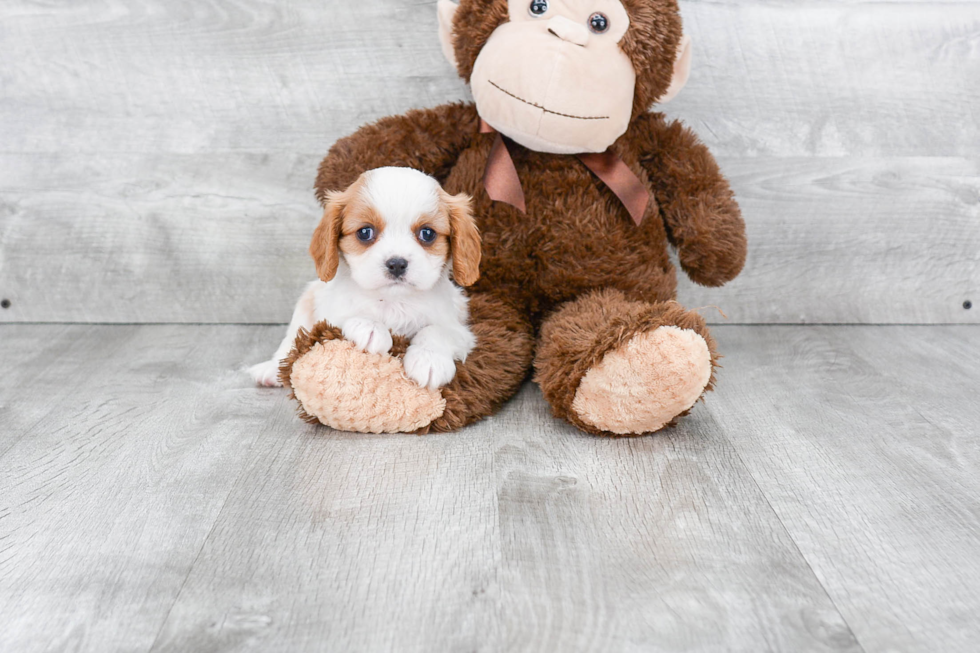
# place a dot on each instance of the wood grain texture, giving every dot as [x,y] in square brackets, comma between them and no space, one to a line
[864,441]
[348,542]
[841,78]
[783,78]
[223,238]
[164,238]
[517,534]
[189,77]
[34,363]
[846,240]
[649,544]
[824,498]
[157,156]
[118,449]
[168,505]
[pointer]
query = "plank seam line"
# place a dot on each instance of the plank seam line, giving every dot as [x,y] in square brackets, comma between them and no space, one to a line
[190,568]
[792,539]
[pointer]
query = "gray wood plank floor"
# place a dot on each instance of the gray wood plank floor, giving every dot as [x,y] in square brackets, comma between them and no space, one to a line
[823,499]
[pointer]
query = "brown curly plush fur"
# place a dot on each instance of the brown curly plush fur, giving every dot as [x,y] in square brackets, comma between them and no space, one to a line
[574,265]
[492,373]
[576,337]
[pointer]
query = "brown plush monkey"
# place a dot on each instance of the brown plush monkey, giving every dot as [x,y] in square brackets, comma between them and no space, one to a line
[576,282]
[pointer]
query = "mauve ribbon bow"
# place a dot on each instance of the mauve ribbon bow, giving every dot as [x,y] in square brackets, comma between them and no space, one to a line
[503,185]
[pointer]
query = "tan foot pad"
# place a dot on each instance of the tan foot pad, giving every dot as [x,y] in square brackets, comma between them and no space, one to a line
[349,390]
[641,387]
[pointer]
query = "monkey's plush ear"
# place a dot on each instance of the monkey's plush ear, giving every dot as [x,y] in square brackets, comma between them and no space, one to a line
[682,70]
[446,10]
[326,238]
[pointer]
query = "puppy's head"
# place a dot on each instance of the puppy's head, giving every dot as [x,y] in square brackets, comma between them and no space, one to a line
[396,227]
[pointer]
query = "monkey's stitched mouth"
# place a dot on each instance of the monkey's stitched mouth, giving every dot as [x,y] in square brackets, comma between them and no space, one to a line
[545,109]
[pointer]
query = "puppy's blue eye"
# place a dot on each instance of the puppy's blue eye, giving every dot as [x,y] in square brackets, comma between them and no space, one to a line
[365,234]
[427,235]
[538,7]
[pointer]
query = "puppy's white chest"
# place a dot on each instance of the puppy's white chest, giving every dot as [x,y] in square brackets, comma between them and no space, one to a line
[340,300]
[401,317]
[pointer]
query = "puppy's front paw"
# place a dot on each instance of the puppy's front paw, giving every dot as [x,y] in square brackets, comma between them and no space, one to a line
[430,369]
[266,374]
[368,335]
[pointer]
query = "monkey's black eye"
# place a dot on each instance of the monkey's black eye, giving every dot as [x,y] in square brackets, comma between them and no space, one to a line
[598,23]
[365,234]
[538,7]
[427,235]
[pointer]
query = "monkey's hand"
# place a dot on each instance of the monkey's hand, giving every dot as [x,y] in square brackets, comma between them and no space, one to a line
[429,140]
[702,218]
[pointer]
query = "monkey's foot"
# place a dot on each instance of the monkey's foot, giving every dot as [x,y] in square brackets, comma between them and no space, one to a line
[643,385]
[615,366]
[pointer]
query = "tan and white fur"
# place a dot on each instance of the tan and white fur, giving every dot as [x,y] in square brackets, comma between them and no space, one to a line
[387,251]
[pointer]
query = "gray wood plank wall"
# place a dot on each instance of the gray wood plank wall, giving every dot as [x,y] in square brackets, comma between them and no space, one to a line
[157,156]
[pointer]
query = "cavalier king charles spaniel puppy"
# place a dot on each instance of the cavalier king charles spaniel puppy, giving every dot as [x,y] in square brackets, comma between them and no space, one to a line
[387,252]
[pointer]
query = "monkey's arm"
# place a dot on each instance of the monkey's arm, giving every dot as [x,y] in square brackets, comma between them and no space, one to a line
[703,220]
[429,140]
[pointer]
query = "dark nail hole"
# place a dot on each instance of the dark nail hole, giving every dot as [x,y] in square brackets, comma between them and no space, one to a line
[5,304]
[967,305]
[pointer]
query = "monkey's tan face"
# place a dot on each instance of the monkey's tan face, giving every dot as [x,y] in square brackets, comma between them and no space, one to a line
[554,78]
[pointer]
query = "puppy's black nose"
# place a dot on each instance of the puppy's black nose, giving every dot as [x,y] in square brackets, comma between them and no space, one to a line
[396,267]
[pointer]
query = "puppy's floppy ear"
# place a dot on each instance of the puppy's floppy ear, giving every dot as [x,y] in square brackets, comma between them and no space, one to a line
[464,239]
[325,246]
